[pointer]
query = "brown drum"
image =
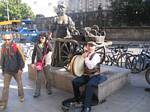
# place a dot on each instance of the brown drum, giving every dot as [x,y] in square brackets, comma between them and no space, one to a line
[77,65]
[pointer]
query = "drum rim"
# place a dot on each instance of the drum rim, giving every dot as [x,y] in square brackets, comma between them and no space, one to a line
[72,67]
[71,63]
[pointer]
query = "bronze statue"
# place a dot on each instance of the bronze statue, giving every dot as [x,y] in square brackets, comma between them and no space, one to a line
[63,24]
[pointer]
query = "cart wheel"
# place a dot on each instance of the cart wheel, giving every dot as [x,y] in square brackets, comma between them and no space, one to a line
[101,52]
[147,75]
[67,51]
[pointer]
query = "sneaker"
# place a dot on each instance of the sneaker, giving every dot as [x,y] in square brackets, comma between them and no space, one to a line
[36,95]
[21,99]
[147,89]
[2,105]
[49,92]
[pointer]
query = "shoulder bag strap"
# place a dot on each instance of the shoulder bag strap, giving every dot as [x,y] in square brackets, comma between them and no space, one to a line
[91,56]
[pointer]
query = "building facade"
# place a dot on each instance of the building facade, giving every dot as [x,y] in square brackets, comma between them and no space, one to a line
[83,12]
[75,6]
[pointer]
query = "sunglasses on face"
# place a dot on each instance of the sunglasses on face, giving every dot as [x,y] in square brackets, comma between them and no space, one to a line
[7,39]
[42,38]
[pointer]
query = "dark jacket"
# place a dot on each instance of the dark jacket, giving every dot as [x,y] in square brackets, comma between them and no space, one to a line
[11,59]
[40,52]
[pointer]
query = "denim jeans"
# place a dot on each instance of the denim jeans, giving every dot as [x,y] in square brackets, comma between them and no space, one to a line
[90,82]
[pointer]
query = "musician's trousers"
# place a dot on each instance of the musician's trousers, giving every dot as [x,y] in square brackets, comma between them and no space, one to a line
[90,82]
[7,79]
[48,79]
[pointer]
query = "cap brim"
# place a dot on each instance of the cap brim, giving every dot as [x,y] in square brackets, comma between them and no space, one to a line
[92,43]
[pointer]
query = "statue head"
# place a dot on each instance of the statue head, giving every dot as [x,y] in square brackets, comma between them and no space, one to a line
[61,9]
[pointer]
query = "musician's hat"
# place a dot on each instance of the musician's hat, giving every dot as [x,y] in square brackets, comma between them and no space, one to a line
[92,42]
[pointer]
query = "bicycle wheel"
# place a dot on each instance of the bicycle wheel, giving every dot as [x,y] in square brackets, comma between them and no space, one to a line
[101,52]
[147,75]
[107,60]
[128,63]
[137,64]
[121,61]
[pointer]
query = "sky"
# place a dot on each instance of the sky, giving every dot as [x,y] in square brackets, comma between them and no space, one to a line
[45,7]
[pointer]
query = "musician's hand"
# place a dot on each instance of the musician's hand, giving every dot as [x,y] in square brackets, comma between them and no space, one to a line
[85,54]
[85,49]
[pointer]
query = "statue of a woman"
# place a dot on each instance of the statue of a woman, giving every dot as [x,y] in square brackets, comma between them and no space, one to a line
[63,24]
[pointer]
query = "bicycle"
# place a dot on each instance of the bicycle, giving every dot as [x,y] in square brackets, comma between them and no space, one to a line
[112,56]
[118,56]
[141,61]
[147,75]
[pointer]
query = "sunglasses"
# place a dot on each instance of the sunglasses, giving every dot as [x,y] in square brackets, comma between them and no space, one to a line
[7,39]
[42,38]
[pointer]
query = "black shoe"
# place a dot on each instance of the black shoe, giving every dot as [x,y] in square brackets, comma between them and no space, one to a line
[87,109]
[147,89]
[36,95]
[49,92]
[102,101]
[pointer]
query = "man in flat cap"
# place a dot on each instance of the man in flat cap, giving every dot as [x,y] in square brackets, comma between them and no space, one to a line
[91,77]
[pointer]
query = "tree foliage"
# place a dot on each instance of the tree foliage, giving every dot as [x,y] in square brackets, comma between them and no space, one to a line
[131,12]
[17,10]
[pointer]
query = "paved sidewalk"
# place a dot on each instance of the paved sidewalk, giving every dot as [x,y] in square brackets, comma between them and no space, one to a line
[131,98]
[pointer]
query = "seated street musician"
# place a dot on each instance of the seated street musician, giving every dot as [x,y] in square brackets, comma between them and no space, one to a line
[91,77]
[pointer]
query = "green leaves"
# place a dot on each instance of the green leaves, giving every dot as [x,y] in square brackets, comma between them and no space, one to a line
[17,10]
[131,12]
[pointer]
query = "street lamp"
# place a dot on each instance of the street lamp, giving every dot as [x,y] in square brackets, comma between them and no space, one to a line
[7,9]
[100,15]
[104,15]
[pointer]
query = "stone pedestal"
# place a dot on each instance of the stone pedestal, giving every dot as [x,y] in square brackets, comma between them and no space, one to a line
[117,78]
[62,79]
